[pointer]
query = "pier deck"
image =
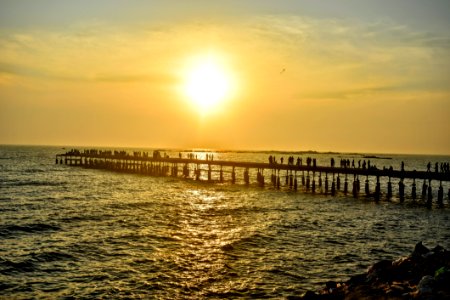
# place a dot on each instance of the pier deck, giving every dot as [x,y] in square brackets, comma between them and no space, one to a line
[291,173]
[439,176]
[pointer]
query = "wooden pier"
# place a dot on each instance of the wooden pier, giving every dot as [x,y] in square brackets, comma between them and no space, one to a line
[326,179]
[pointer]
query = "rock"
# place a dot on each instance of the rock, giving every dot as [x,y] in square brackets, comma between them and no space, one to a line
[438,249]
[331,285]
[426,285]
[425,274]
[420,249]
[442,277]
[357,280]
[310,295]
[381,271]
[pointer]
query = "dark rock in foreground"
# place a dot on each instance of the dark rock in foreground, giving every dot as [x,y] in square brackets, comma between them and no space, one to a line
[425,274]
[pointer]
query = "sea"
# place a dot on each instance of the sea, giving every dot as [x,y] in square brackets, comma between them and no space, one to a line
[68,232]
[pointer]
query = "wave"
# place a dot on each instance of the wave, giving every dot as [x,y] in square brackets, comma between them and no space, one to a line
[13,183]
[31,263]
[84,218]
[52,256]
[8,267]
[348,257]
[34,170]
[255,240]
[8,230]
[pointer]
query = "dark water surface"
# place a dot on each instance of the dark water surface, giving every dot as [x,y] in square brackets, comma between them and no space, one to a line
[83,233]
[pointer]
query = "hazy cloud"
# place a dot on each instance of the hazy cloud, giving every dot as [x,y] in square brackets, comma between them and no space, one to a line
[367,58]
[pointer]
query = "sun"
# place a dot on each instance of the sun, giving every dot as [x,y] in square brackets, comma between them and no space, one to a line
[207,83]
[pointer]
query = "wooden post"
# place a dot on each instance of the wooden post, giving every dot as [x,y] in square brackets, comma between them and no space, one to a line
[424,189]
[345,185]
[278,180]
[246,176]
[389,189]
[338,183]
[430,194]
[367,187]
[307,180]
[262,178]
[377,189]
[291,180]
[440,194]
[401,190]
[413,190]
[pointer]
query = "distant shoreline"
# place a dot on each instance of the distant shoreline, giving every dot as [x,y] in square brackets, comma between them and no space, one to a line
[365,155]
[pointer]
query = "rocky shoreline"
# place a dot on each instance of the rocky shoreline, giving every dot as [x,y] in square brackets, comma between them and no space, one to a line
[424,274]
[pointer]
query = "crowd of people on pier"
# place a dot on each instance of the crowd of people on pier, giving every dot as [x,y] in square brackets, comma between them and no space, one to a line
[360,164]
[443,167]
[191,155]
[291,161]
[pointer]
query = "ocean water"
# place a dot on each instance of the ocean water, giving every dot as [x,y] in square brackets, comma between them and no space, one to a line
[70,232]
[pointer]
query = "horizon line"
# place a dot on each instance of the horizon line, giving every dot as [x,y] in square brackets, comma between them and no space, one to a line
[205,149]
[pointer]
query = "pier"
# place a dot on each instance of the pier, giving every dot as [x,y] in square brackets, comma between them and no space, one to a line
[329,180]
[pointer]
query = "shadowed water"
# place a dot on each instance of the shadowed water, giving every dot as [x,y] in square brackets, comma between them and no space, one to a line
[73,232]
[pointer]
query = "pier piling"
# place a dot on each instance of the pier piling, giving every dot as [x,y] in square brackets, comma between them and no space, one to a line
[401,190]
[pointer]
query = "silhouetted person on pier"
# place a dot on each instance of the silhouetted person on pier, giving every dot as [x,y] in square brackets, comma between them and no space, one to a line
[403,166]
[436,167]
[291,160]
[332,162]
[429,167]
[281,160]
[270,159]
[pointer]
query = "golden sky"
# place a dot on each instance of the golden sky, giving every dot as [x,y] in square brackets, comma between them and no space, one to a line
[354,76]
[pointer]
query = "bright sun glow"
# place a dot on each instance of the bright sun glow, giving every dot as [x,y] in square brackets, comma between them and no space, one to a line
[207,84]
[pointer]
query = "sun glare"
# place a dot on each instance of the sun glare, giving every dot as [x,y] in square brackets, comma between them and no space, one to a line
[207,84]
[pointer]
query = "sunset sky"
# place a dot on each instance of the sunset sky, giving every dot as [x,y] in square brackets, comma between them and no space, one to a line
[350,75]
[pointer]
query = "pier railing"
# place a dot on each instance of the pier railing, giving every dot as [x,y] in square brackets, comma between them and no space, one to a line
[311,177]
